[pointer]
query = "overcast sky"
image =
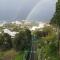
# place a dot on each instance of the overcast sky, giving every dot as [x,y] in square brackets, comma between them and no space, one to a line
[27,9]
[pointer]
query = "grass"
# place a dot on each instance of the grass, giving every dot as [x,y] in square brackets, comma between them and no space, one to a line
[12,55]
[19,57]
[7,55]
[42,53]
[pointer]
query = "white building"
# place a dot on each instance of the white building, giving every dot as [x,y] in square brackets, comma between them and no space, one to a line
[40,26]
[16,22]
[12,34]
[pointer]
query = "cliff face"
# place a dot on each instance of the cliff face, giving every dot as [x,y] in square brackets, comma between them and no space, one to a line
[56,17]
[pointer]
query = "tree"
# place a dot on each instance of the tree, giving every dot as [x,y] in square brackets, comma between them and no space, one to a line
[5,41]
[28,38]
[38,34]
[22,40]
[56,18]
[56,21]
[1,41]
[48,43]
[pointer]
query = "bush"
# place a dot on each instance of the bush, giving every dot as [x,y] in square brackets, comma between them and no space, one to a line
[5,41]
[22,40]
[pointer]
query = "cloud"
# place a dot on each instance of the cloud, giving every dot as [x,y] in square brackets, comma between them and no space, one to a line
[43,11]
[20,9]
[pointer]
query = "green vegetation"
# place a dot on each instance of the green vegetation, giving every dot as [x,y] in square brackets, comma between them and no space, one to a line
[5,41]
[47,45]
[14,48]
[12,55]
[56,18]
[56,22]
[45,42]
[22,40]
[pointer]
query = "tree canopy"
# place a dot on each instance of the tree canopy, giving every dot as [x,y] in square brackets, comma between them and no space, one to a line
[56,18]
[22,40]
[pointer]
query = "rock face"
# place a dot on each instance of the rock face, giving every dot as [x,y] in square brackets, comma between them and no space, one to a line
[56,17]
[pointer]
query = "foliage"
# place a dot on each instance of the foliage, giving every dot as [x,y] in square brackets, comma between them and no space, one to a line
[1,41]
[48,45]
[5,41]
[38,34]
[22,40]
[56,17]
[48,29]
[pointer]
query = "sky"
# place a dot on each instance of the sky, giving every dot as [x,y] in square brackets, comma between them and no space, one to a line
[40,10]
